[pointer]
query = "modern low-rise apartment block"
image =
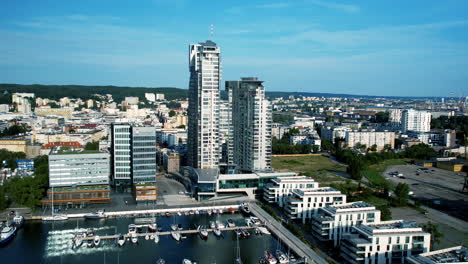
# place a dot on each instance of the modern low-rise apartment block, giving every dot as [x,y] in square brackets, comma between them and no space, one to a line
[383,243]
[303,204]
[453,255]
[331,222]
[280,188]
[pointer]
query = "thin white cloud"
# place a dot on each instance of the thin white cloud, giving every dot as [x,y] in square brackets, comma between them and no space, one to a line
[343,7]
[273,5]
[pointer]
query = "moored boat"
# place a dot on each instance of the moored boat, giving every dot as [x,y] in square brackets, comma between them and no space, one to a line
[282,258]
[173,227]
[245,208]
[230,223]
[7,234]
[217,232]
[186,261]
[161,261]
[121,240]
[153,227]
[134,238]
[202,232]
[97,241]
[219,224]
[270,258]
[156,238]
[97,215]
[57,217]
[175,235]
[18,220]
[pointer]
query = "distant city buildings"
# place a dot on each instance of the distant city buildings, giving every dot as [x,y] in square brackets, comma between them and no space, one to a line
[369,139]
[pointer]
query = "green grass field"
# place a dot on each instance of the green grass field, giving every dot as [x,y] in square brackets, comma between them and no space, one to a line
[319,167]
[374,172]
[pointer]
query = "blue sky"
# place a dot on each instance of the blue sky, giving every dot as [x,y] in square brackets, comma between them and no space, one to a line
[374,47]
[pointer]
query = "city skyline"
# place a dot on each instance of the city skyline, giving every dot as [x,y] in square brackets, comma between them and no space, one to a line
[297,46]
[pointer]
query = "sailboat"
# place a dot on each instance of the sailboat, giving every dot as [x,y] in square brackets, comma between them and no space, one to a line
[54,217]
[238,257]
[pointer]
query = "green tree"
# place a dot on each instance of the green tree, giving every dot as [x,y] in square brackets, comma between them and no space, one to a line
[92,145]
[385,213]
[382,117]
[172,113]
[327,145]
[3,200]
[433,229]
[401,194]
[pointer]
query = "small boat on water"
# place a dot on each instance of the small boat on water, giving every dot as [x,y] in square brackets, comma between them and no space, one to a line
[230,223]
[89,234]
[263,230]
[175,235]
[187,261]
[97,241]
[270,258]
[192,212]
[245,208]
[132,229]
[282,258]
[161,261]
[121,240]
[202,232]
[18,220]
[245,233]
[77,240]
[197,212]
[134,238]
[219,224]
[217,232]
[167,214]
[212,225]
[7,234]
[179,227]
[238,232]
[57,217]
[153,227]
[97,215]
[147,237]
[210,212]
[173,227]
[156,238]
[179,213]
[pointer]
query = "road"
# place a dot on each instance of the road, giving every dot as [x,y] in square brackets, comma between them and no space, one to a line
[286,236]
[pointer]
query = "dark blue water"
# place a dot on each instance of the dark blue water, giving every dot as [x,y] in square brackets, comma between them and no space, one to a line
[51,243]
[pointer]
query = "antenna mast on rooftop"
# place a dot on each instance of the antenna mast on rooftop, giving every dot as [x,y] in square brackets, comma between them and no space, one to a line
[211,31]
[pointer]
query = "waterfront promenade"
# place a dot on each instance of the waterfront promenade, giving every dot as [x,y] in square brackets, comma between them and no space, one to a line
[285,236]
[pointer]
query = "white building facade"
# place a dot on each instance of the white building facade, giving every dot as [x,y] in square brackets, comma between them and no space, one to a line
[203,110]
[417,121]
[280,188]
[370,138]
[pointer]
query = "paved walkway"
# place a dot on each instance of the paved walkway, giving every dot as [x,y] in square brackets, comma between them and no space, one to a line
[286,236]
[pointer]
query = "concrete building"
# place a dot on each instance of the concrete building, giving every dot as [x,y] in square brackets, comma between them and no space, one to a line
[395,115]
[331,133]
[453,255]
[417,121]
[121,156]
[384,242]
[151,97]
[331,222]
[450,137]
[226,140]
[280,188]
[143,146]
[171,161]
[132,100]
[251,115]
[203,110]
[68,167]
[303,204]
[370,138]
[160,96]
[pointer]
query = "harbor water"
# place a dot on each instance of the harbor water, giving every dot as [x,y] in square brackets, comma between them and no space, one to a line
[39,242]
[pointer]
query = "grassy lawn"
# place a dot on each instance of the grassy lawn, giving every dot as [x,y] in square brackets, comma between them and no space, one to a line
[374,173]
[318,167]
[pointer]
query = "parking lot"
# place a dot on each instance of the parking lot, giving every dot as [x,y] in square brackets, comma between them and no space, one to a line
[438,188]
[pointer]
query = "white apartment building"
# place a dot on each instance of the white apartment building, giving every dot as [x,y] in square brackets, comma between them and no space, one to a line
[278,189]
[331,133]
[251,121]
[160,96]
[226,139]
[383,243]
[395,115]
[203,111]
[304,121]
[417,121]
[453,255]
[303,204]
[151,97]
[370,138]
[331,222]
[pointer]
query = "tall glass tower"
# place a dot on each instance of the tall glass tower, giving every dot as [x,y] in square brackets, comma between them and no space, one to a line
[203,110]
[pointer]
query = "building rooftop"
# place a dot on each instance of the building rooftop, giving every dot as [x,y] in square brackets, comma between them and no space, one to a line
[353,205]
[71,150]
[449,255]
[398,224]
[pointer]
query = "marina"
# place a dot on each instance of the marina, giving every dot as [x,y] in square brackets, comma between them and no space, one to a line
[117,238]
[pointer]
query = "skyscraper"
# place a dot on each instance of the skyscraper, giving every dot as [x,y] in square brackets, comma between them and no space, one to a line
[203,110]
[251,121]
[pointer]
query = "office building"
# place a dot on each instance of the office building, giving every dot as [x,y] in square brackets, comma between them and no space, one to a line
[143,144]
[416,121]
[303,204]
[331,222]
[203,109]
[384,242]
[226,140]
[251,121]
[121,156]
[280,188]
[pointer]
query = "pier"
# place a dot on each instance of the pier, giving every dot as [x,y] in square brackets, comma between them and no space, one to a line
[294,243]
[167,233]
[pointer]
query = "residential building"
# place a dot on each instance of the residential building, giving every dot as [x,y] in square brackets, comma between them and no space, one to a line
[251,115]
[151,97]
[160,96]
[303,204]
[450,137]
[331,133]
[417,121]
[171,161]
[453,255]
[226,140]
[384,242]
[121,156]
[370,138]
[331,222]
[203,109]
[280,188]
